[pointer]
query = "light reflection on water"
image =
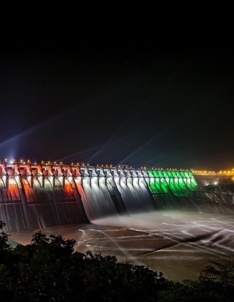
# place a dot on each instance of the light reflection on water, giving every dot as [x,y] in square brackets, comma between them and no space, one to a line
[180,244]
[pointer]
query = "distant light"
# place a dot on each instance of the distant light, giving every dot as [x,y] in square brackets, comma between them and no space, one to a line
[215,183]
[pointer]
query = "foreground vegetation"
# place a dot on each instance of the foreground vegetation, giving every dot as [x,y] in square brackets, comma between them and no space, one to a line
[49,270]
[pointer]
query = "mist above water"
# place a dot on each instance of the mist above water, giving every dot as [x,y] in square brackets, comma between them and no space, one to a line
[179,244]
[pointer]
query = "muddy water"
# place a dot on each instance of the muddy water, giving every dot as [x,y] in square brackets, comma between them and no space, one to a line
[179,244]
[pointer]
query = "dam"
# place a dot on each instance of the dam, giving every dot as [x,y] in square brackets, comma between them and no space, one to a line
[36,196]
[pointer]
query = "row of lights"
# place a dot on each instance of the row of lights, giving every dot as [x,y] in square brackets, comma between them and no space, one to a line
[124,167]
[51,163]
[212,172]
[21,161]
[226,172]
[13,161]
[80,165]
[203,172]
[104,166]
[168,169]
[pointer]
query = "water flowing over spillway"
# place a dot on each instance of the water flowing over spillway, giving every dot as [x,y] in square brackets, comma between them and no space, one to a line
[169,220]
[96,198]
[39,196]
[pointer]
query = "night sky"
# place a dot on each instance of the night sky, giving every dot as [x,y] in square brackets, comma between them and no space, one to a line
[152,103]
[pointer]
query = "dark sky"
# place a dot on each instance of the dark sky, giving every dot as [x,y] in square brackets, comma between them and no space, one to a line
[154,103]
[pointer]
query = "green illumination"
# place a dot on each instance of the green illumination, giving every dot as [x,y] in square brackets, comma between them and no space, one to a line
[152,186]
[164,185]
[183,187]
[150,173]
[180,183]
[169,174]
[160,173]
[156,174]
[174,188]
[192,185]
[157,183]
[155,186]
[180,174]
[178,187]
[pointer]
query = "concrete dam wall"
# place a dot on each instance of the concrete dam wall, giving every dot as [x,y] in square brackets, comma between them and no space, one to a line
[38,196]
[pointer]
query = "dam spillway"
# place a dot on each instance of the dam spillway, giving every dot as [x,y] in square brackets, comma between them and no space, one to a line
[43,195]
